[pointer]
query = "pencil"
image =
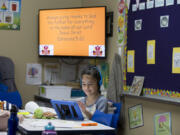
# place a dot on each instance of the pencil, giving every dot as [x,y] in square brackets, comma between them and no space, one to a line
[89,124]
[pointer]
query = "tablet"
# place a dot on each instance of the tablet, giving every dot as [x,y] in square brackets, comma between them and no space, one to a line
[67,110]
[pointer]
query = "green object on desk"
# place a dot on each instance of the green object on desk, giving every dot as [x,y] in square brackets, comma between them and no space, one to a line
[38,113]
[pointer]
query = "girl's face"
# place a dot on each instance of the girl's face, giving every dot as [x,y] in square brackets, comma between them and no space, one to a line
[89,85]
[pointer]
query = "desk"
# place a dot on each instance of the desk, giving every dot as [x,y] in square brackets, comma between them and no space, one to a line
[36,126]
[3,133]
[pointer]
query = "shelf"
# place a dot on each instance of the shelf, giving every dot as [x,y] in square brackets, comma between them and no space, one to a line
[156,99]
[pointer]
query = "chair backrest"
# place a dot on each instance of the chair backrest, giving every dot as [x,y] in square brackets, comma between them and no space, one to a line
[8,90]
[7,73]
[108,119]
[11,97]
[103,118]
[116,114]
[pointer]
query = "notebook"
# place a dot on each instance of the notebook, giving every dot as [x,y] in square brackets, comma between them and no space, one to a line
[67,110]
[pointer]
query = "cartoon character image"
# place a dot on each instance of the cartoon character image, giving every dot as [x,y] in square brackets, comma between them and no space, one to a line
[46,50]
[161,121]
[97,51]
[121,6]
[134,115]
[164,21]
[3,7]
[32,72]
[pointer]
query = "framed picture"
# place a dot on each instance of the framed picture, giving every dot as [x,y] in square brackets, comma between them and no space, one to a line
[135,114]
[162,124]
[137,85]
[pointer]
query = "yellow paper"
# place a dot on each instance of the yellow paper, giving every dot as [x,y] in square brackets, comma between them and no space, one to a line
[24,113]
[130,61]
[151,51]
[176,60]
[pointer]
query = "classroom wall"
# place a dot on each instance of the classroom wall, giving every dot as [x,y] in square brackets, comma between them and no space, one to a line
[22,46]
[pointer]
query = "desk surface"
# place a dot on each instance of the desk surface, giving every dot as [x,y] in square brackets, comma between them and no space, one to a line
[36,126]
[3,133]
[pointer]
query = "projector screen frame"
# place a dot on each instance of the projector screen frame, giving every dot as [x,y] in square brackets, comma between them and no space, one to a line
[76,57]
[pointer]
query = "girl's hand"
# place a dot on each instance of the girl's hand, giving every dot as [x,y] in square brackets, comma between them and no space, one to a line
[83,109]
[82,106]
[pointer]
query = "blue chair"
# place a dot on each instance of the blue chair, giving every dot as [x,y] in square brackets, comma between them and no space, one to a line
[8,90]
[11,97]
[103,118]
[116,114]
[108,119]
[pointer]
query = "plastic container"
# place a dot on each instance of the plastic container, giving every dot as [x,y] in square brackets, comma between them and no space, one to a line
[13,121]
[49,130]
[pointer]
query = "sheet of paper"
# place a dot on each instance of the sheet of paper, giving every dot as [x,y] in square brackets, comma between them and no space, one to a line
[52,73]
[56,123]
[33,74]
[176,60]
[169,2]
[142,6]
[130,61]
[134,7]
[138,24]
[159,3]
[150,4]
[151,51]
[164,21]
[178,1]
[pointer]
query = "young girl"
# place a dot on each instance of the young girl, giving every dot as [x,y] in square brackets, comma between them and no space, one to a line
[91,83]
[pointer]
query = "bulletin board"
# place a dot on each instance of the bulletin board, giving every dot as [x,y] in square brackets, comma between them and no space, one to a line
[158,75]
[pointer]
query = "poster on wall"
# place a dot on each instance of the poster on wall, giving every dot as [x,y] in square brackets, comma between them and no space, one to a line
[135,116]
[10,14]
[138,25]
[33,74]
[121,22]
[176,60]
[151,45]
[130,61]
[122,6]
[163,124]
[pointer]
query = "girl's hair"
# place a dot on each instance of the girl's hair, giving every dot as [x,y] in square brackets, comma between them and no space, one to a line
[93,71]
